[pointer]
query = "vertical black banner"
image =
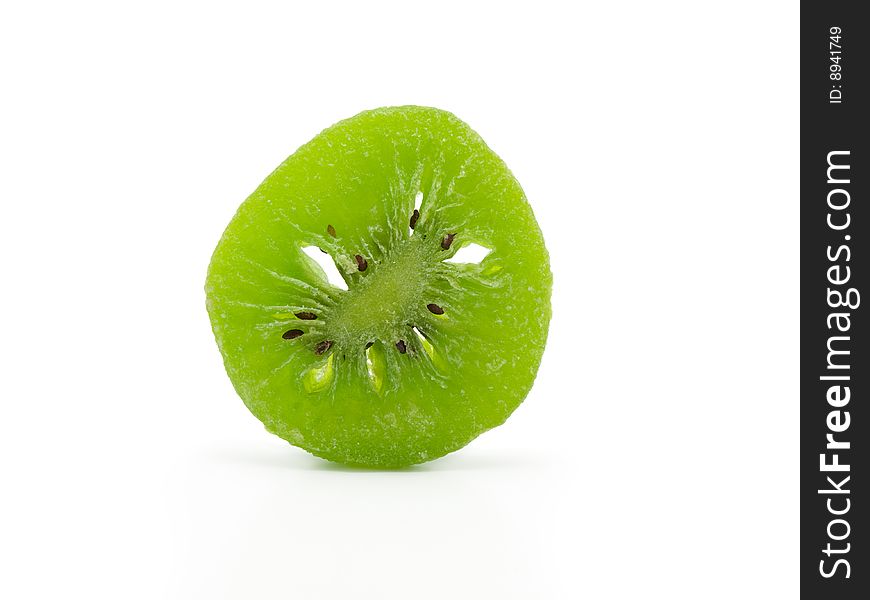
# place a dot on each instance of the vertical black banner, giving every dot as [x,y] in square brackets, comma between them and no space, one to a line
[835,371]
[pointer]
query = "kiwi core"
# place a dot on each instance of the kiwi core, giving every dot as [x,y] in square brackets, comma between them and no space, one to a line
[380,306]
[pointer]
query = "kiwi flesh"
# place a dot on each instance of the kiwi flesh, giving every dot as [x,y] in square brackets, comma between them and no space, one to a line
[420,354]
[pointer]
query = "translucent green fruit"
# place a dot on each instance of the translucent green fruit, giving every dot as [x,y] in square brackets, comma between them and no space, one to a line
[421,353]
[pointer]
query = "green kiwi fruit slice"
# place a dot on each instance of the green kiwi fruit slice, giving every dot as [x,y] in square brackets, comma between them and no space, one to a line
[421,353]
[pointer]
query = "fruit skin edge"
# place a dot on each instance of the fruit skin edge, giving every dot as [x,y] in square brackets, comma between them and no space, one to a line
[384,462]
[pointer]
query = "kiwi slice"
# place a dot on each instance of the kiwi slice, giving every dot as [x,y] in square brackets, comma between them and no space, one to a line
[421,352]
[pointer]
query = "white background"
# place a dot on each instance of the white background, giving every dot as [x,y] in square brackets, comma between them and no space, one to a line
[656,456]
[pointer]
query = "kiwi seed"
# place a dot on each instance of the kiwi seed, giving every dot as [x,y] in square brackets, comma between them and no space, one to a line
[322,347]
[292,334]
[401,347]
[305,315]
[414,217]
[330,230]
[361,263]
[435,309]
